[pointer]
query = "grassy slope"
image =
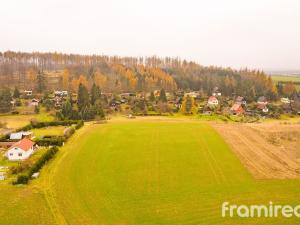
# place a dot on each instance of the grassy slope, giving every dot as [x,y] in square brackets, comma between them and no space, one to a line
[154,173]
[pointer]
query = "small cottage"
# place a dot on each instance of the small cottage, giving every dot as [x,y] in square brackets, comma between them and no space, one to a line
[213,101]
[262,100]
[237,109]
[21,150]
[34,102]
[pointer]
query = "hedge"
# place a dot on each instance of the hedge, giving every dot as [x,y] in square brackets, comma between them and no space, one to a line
[79,124]
[33,124]
[24,178]
[50,140]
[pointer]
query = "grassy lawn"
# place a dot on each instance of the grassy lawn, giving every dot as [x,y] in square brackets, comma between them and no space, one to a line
[155,172]
[17,121]
[52,131]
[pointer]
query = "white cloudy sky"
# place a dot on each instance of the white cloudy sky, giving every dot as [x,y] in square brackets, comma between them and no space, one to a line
[255,33]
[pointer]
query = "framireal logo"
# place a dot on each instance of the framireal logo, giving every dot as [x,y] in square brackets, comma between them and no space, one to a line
[252,211]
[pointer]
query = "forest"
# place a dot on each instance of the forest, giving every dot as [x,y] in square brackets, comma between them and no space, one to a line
[53,71]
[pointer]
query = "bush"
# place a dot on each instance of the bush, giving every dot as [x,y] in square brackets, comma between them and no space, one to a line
[14,112]
[50,140]
[79,124]
[22,166]
[42,161]
[21,179]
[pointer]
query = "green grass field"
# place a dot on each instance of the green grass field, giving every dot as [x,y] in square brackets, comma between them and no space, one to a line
[150,172]
[52,131]
[17,121]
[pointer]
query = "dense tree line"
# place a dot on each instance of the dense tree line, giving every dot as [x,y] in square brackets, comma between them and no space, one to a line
[125,74]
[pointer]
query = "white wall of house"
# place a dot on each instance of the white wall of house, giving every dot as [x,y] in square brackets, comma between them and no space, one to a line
[16,153]
[213,102]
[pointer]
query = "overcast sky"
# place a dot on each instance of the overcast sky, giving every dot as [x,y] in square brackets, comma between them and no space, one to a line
[261,34]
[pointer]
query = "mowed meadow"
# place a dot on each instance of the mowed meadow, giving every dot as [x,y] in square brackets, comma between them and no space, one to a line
[149,171]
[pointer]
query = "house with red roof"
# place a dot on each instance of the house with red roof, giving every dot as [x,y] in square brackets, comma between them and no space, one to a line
[213,101]
[237,109]
[21,150]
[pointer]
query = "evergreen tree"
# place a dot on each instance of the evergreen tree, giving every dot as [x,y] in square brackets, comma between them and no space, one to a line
[99,109]
[40,82]
[5,99]
[82,97]
[66,110]
[188,105]
[95,94]
[152,97]
[162,95]
[16,93]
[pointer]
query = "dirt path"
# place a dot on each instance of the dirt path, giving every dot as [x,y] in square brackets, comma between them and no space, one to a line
[255,146]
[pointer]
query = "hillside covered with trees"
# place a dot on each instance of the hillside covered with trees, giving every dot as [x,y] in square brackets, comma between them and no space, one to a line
[42,71]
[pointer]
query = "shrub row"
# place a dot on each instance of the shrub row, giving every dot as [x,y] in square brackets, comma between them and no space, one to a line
[79,124]
[24,178]
[35,124]
[50,140]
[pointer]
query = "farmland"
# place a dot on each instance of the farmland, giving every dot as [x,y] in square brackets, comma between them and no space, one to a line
[144,171]
[285,78]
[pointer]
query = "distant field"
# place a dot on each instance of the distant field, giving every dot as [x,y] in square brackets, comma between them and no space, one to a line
[155,171]
[285,78]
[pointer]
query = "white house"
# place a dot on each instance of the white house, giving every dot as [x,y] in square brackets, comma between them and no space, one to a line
[28,92]
[34,102]
[192,94]
[61,93]
[216,92]
[20,150]
[213,100]
[285,100]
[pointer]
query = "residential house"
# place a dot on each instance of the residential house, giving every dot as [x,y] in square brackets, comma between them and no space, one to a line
[262,103]
[216,92]
[263,108]
[28,92]
[34,102]
[21,150]
[237,109]
[285,100]
[262,100]
[213,101]
[193,94]
[241,100]
[61,93]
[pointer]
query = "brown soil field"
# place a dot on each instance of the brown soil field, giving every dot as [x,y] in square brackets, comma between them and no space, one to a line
[269,150]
